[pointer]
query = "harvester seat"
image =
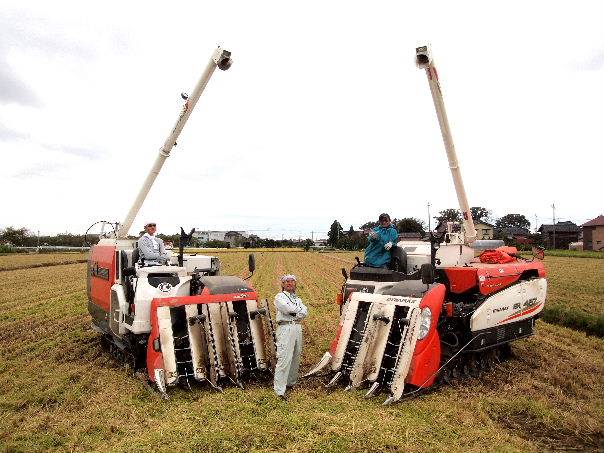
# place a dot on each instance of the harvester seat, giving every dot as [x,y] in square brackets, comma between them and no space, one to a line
[135,255]
[398,259]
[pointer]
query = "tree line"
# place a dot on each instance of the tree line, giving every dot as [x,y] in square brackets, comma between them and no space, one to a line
[23,237]
[352,239]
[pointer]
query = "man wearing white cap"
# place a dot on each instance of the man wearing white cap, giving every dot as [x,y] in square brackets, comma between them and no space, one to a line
[151,248]
[290,312]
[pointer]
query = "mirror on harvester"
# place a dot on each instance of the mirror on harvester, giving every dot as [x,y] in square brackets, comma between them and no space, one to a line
[251,263]
[427,273]
[345,274]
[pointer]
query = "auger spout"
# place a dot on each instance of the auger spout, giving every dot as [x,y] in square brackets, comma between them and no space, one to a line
[222,59]
[424,60]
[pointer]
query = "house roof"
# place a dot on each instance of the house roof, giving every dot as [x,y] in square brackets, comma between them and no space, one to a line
[598,221]
[564,227]
[514,231]
[482,222]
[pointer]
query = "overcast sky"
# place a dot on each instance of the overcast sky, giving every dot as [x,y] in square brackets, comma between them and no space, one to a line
[322,116]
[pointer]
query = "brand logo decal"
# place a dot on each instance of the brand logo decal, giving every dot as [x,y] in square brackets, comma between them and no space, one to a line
[164,287]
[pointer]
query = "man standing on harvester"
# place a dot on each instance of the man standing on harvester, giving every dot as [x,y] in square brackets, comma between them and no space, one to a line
[381,240]
[290,312]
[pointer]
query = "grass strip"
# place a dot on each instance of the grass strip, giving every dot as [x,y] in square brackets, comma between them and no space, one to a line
[590,324]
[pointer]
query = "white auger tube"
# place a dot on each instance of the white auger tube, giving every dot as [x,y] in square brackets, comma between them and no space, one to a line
[423,60]
[220,58]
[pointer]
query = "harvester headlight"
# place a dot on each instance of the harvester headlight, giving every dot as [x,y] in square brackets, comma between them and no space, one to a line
[425,323]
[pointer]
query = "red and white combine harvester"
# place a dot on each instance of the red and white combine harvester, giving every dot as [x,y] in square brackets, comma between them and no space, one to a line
[181,321]
[437,312]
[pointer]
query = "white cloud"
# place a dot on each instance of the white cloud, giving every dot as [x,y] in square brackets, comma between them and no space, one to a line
[323,115]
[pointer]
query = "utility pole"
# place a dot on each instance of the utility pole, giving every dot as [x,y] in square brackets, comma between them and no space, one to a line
[554,221]
[429,227]
[536,223]
[38,248]
[312,236]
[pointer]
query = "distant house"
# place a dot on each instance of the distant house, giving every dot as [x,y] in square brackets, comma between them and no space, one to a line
[484,230]
[234,238]
[593,234]
[213,235]
[565,233]
[516,234]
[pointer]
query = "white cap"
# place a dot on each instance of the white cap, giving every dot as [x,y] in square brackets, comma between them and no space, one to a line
[288,277]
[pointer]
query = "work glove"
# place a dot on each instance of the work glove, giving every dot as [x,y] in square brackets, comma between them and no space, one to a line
[373,234]
[388,245]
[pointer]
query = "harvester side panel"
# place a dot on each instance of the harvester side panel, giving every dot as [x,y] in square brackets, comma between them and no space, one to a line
[101,274]
[517,303]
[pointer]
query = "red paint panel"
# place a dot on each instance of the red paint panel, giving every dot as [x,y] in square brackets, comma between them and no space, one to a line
[101,257]
[155,360]
[496,277]
[204,298]
[426,357]
[334,344]
[522,313]
[461,279]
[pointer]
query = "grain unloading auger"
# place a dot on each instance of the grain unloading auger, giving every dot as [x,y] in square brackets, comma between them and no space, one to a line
[181,321]
[436,312]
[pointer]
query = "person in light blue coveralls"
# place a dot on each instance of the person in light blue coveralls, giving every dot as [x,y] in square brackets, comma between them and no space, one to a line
[381,240]
[290,312]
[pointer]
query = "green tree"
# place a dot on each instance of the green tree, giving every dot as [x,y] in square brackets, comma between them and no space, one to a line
[448,215]
[411,225]
[368,225]
[480,214]
[512,220]
[335,233]
[307,244]
[15,236]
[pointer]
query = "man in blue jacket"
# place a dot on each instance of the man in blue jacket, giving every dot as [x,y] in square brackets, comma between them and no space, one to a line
[381,240]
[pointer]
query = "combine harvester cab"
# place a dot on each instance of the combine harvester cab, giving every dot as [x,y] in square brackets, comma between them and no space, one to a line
[437,312]
[181,321]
